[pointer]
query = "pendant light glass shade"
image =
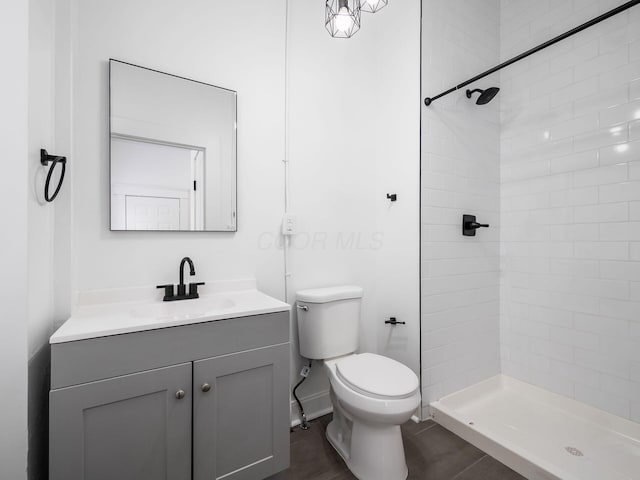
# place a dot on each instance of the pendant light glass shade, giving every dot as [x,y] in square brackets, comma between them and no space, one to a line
[342,18]
[372,6]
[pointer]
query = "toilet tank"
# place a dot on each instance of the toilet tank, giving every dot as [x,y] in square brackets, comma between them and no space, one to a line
[328,321]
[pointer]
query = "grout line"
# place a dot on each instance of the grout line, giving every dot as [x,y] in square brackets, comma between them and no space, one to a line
[425,429]
[470,466]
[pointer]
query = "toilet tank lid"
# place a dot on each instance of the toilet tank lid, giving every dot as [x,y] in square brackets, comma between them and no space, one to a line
[329,294]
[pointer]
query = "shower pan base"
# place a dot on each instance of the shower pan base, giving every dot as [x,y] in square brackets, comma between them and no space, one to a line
[542,435]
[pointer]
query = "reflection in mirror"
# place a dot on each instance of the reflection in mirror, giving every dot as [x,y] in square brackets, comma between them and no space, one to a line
[173,152]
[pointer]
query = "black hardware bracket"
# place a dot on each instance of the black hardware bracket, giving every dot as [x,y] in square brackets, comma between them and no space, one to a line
[469,225]
[392,196]
[584,26]
[394,321]
[45,159]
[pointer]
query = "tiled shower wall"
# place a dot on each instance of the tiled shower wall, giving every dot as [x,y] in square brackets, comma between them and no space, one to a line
[570,196]
[460,174]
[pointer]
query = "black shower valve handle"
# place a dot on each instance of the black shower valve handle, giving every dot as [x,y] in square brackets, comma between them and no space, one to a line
[394,321]
[469,225]
[477,225]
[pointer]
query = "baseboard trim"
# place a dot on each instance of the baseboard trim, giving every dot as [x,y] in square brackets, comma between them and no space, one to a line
[315,406]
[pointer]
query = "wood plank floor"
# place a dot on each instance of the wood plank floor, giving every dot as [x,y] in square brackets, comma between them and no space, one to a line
[433,453]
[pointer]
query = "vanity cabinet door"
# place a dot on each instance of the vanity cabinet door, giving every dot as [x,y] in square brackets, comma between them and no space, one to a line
[241,415]
[134,427]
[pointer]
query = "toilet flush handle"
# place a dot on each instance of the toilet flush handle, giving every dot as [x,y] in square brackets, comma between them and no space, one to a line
[303,307]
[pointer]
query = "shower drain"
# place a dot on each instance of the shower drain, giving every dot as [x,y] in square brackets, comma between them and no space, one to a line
[574,451]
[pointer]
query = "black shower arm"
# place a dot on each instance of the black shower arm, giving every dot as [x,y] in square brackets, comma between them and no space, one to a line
[590,23]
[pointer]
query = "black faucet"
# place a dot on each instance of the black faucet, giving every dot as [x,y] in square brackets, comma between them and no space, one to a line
[182,288]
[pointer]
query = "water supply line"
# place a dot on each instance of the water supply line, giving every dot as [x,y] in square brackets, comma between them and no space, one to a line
[304,373]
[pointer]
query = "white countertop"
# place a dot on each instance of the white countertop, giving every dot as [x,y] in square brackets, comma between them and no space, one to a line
[114,312]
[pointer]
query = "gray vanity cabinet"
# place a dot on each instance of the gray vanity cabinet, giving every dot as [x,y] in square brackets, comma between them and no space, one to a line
[195,402]
[237,401]
[135,427]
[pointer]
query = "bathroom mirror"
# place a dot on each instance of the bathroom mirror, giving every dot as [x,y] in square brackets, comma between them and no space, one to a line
[173,152]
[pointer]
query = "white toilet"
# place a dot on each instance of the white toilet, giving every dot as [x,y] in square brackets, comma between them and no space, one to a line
[371,395]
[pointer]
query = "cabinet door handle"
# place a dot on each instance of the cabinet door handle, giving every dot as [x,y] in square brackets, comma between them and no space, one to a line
[206,387]
[180,394]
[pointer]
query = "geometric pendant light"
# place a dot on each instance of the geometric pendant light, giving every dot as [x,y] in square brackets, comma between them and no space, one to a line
[372,6]
[342,18]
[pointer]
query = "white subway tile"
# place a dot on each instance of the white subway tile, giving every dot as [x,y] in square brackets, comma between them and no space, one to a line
[635,372]
[550,349]
[610,212]
[576,55]
[625,231]
[634,51]
[574,91]
[635,412]
[613,289]
[576,268]
[602,99]
[575,373]
[620,387]
[599,138]
[551,249]
[605,401]
[576,303]
[634,89]
[620,114]
[600,325]
[583,196]
[620,270]
[620,309]
[576,232]
[634,334]
[620,76]
[634,130]
[576,161]
[551,183]
[562,184]
[616,39]
[599,362]
[601,175]
[553,82]
[601,63]
[621,192]
[569,336]
[623,152]
[439,198]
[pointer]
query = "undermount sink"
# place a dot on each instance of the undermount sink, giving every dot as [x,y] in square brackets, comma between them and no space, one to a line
[199,307]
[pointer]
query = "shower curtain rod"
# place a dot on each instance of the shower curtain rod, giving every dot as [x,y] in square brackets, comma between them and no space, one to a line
[590,23]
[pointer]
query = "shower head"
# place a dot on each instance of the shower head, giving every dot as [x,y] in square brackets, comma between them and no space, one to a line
[485,95]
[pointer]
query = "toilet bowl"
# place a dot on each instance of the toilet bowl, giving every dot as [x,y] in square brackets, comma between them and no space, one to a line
[372,395]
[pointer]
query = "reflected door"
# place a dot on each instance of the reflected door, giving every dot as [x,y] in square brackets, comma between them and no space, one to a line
[152,213]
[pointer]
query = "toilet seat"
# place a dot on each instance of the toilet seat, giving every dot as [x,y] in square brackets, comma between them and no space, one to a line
[377,376]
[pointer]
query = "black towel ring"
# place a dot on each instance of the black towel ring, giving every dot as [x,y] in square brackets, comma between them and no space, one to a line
[45,158]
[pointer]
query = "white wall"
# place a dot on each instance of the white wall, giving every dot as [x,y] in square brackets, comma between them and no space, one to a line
[353,137]
[40,229]
[460,175]
[338,187]
[239,45]
[14,44]
[571,203]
